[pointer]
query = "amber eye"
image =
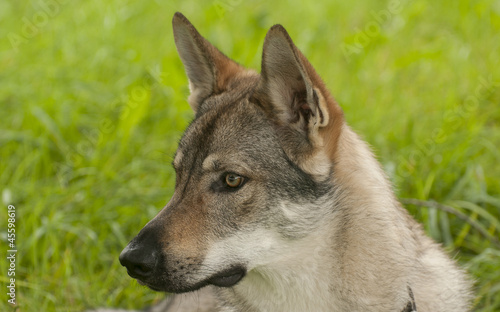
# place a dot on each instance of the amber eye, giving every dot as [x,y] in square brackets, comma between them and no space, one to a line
[233,180]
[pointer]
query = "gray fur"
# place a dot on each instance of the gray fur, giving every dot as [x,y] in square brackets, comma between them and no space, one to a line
[314,227]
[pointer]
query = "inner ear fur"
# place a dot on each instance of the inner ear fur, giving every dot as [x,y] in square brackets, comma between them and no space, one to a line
[295,96]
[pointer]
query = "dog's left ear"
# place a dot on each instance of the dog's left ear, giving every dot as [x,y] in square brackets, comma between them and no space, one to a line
[295,96]
[209,71]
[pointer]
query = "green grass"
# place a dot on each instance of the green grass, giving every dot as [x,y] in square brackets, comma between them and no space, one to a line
[93,103]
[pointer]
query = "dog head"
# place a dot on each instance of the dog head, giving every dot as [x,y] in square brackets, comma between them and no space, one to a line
[252,168]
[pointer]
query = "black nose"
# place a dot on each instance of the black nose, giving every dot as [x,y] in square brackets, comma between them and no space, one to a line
[140,263]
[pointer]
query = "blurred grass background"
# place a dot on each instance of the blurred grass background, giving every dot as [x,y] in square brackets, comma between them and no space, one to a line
[92,97]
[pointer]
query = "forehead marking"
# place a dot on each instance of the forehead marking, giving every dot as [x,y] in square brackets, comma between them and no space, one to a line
[210,163]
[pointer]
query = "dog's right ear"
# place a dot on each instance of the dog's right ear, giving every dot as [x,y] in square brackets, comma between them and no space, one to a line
[295,97]
[208,70]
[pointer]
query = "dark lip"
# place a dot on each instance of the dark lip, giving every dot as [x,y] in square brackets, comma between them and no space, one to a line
[228,278]
[154,288]
[225,278]
[151,286]
[132,275]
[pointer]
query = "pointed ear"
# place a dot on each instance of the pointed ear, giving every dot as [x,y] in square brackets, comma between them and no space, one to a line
[208,70]
[295,96]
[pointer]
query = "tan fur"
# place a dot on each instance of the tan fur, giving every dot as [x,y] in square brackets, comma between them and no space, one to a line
[268,92]
[331,132]
[185,226]
[317,227]
[392,232]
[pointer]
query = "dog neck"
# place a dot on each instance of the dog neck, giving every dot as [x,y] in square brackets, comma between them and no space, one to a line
[293,281]
[314,273]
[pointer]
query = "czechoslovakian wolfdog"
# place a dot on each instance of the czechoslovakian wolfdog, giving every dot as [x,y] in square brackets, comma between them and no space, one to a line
[279,205]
